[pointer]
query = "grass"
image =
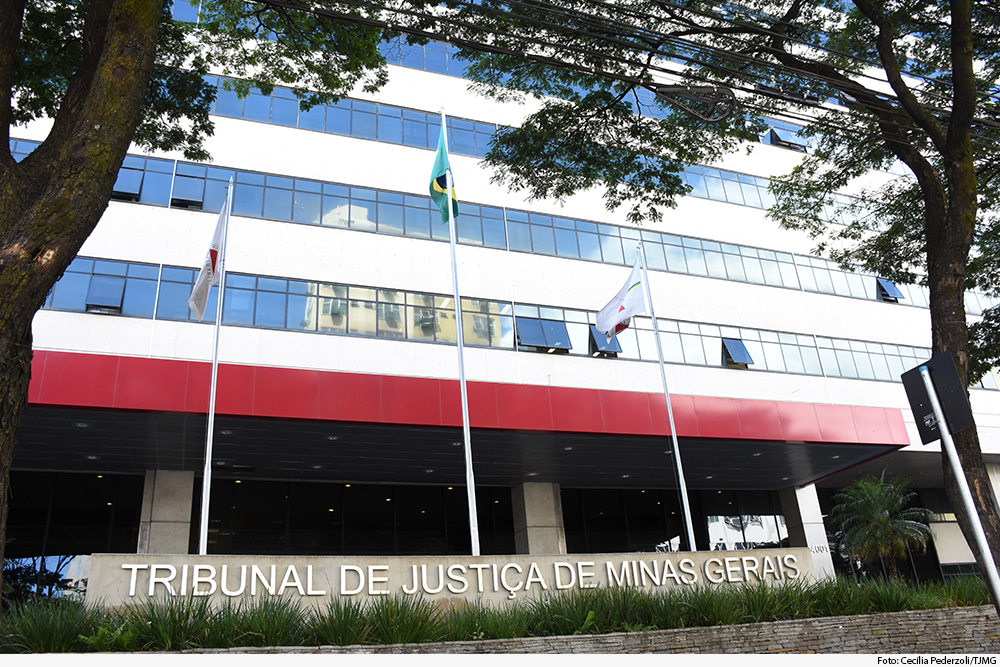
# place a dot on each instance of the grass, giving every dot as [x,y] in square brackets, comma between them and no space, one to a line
[61,625]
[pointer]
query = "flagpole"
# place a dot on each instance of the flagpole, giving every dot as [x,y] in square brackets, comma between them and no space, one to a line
[206,479]
[470,483]
[688,524]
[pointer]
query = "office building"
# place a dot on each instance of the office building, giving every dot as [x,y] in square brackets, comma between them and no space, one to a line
[338,426]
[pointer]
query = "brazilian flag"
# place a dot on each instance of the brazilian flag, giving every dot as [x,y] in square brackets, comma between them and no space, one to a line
[439,181]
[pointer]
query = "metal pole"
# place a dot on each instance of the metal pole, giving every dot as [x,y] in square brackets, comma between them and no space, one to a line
[688,524]
[981,545]
[206,479]
[470,482]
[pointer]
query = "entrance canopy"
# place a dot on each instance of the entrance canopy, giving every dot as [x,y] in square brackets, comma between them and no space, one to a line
[120,441]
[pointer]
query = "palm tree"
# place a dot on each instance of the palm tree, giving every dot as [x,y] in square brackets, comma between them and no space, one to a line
[877,522]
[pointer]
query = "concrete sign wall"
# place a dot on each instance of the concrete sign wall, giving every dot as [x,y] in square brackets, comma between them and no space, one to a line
[120,579]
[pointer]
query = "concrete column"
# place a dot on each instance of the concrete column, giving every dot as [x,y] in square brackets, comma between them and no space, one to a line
[538,519]
[165,522]
[804,521]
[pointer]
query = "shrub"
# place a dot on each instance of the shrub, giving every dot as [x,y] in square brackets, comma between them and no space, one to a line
[270,621]
[575,612]
[342,623]
[402,619]
[48,625]
[60,625]
[966,591]
[174,624]
[707,605]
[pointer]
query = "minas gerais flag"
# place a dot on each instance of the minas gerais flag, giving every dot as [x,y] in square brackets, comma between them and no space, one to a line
[210,273]
[439,180]
[630,301]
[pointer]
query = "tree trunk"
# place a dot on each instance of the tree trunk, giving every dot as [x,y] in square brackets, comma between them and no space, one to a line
[53,199]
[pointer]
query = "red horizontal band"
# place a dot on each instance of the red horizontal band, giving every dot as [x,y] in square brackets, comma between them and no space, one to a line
[165,385]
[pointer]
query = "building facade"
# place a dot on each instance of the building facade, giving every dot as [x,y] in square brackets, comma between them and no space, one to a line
[339,420]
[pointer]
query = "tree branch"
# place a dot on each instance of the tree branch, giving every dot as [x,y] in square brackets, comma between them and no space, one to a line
[883,43]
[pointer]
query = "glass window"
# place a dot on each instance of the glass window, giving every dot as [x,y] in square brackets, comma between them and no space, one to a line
[336,211]
[390,128]
[361,318]
[751,195]
[734,267]
[810,360]
[755,273]
[307,207]
[71,291]
[248,200]
[415,133]
[566,243]
[856,285]
[846,362]
[128,184]
[105,292]
[470,230]
[364,125]
[338,119]
[257,107]
[772,275]
[463,142]
[880,367]
[313,119]
[734,195]
[530,332]
[446,331]
[675,258]
[420,323]
[228,103]
[390,219]
[772,353]
[736,351]
[390,320]
[695,261]
[156,188]
[475,328]
[363,215]
[140,295]
[788,275]
[302,313]
[502,331]
[694,353]
[716,264]
[590,246]
[647,344]
[542,240]
[270,310]
[715,189]
[238,307]
[333,309]
[792,358]
[519,236]
[188,192]
[284,112]
[840,286]
[697,183]
[611,249]
[494,235]
[277,204]
[823,281]
[864,365]
[417,222]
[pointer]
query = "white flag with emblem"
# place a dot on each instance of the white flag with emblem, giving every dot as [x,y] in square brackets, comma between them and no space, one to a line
[210,273]
[630,301]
